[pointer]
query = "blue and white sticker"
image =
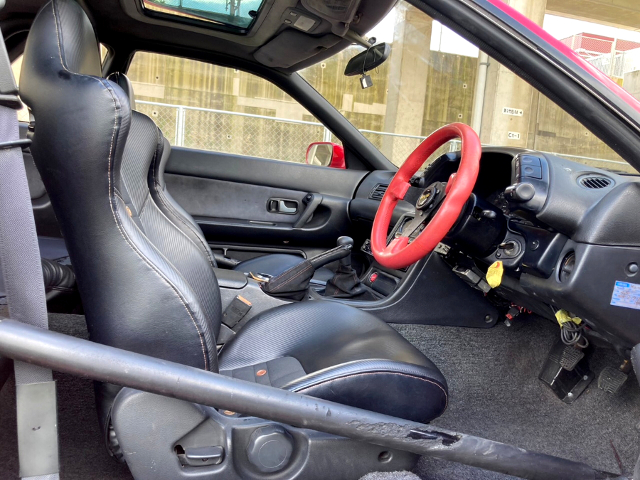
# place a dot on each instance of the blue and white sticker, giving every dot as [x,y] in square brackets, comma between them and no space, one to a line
[626,295]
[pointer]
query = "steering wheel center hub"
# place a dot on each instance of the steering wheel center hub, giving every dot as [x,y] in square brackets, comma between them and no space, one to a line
[427,198]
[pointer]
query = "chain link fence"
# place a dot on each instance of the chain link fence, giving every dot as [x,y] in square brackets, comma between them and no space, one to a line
[281,139]
[258,135]
[165,116]
[235,133]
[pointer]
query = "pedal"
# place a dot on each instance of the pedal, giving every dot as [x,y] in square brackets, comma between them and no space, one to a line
[570,357]
[568,385]
[611,379]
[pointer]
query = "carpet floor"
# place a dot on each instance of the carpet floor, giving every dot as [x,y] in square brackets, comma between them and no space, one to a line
[494,393]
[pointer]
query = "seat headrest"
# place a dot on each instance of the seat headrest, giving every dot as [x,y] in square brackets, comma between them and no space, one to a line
[63,37]
[125,84]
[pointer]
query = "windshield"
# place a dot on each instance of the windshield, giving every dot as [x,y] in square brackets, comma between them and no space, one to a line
[434,77]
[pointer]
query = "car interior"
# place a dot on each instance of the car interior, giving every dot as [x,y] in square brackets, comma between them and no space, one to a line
[474,293]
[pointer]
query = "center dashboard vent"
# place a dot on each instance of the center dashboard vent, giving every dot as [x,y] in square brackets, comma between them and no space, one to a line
[378,191]
[595,181]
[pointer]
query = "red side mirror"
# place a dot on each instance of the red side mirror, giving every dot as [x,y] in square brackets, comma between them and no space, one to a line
[326,154]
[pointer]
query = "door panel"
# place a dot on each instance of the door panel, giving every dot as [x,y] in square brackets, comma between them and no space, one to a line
[205,197]
[231,196]
[268,173]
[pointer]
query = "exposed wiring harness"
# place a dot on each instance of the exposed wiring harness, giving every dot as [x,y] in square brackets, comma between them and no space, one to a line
[572,335]
[571,329]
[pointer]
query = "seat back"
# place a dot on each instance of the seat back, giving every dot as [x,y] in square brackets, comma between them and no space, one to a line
[145,285]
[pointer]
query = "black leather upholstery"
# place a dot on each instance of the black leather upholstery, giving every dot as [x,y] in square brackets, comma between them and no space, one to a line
[144,286]
[147,284]
[349,356]
[277,263]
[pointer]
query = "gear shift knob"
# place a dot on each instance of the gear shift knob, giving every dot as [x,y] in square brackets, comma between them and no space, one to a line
[347,242]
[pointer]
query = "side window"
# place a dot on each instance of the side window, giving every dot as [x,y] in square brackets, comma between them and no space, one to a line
[208,107]
[16,67]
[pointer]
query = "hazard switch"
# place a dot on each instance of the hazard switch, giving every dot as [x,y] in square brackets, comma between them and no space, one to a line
[373,277]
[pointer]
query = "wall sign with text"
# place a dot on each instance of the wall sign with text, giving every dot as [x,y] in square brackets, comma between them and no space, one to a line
[516,112]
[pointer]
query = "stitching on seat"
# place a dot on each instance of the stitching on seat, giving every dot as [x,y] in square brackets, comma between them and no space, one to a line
[446,396]
[109,173]
[144,204]
[295,276]
[116,194]
[161,197]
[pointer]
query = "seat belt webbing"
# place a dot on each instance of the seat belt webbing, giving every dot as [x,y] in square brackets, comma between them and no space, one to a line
[22,271]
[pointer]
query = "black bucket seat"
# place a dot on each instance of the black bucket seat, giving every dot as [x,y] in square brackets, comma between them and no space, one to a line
[147,286]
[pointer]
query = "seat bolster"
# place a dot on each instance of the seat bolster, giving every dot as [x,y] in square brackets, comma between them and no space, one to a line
[350,356]
[320,334]
[407,391]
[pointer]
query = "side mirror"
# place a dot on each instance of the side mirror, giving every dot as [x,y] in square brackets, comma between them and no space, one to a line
[368,60]
[326,154]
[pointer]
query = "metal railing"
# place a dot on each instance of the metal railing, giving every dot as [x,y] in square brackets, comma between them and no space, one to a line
[258,135]
[284,139]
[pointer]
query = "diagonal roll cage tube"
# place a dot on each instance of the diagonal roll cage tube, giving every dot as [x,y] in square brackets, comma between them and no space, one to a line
[107,364]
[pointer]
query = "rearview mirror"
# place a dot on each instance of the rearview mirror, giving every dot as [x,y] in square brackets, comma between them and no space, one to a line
[368,60]
[326,154]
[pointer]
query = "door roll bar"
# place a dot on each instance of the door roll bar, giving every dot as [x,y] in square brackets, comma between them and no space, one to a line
[87,359]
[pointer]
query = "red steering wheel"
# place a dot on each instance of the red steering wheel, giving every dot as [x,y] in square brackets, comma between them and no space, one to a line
[418,237]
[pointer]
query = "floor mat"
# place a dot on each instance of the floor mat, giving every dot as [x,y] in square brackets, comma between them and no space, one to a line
[495,393]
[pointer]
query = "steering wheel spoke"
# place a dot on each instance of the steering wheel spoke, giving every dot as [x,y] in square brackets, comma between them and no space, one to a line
[396,245]
[398,189]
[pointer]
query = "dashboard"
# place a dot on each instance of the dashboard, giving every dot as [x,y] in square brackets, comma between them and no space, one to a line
[568,235]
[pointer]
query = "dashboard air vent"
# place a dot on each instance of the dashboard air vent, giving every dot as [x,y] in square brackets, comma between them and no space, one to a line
[378,191]
[567,266]
[593,181]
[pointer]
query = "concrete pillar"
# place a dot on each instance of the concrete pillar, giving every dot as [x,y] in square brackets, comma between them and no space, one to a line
[409,65]
[510,104]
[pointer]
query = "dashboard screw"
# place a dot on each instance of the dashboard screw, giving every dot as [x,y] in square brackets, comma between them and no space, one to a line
[488,319]
[535,244]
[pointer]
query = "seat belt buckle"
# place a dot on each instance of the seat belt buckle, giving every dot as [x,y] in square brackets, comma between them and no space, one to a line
[236,311]
[260,277]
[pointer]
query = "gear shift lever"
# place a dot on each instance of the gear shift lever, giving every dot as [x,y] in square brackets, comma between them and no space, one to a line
[345,283]
[347,242]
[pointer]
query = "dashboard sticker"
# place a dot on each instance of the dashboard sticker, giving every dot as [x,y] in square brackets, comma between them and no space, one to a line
[626,295]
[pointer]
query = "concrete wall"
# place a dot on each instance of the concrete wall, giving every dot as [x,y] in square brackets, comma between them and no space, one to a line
[415,92]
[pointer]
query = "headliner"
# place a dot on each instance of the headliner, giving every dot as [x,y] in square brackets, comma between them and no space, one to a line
[121,25]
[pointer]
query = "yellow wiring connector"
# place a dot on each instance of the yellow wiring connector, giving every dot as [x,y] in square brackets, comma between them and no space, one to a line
[494,274]
[562,316]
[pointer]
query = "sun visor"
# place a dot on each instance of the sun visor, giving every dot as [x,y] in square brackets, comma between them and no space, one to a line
[291,47]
